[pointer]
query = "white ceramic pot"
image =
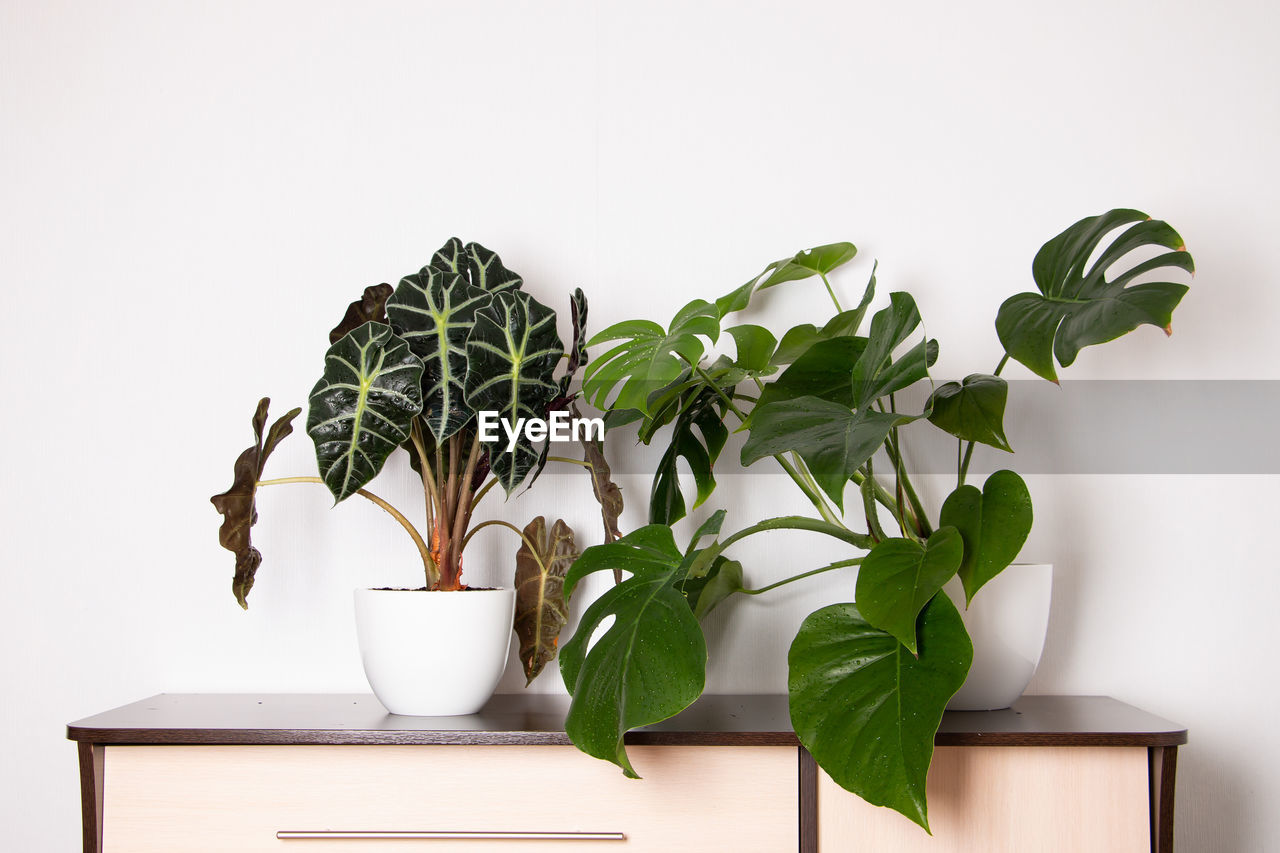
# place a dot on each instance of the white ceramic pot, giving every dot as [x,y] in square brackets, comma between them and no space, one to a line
[1007,624]
[434,654]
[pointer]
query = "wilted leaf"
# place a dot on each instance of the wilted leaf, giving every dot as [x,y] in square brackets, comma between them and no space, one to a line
[540,607]
[237,503]
[372,306]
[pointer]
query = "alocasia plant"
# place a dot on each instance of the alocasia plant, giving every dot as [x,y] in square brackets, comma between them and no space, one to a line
[409,368]
[869,679]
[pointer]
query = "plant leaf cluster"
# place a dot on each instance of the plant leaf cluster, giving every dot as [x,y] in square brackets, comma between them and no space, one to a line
[869,679]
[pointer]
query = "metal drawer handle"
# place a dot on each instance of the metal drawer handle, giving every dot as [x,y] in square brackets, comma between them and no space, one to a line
[285,835]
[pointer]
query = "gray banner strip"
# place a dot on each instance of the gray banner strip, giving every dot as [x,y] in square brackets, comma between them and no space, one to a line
[1224,427]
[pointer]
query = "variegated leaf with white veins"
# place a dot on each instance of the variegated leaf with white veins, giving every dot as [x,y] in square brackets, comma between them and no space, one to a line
[363,405]
[482,267]
[511,354]
[434,312]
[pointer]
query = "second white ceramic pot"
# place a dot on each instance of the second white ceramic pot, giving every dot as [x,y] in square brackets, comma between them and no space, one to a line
[434,654]
[1007,624]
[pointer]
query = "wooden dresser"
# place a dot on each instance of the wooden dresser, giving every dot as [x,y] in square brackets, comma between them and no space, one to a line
[183,773]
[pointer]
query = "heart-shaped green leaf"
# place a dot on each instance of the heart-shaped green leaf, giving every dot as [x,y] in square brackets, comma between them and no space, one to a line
[899,577]
[512,354]
[362,407]
[648,357]
[434,312]
[755,344]
[650,663]
[1077,306]
[540,606]
[867,709]
[972,410]
[994,524]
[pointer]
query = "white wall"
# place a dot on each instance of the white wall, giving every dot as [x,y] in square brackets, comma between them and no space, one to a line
[190,193]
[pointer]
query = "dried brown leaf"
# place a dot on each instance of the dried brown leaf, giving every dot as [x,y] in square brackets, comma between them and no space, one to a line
[371,306]
[237,503]
[540,606]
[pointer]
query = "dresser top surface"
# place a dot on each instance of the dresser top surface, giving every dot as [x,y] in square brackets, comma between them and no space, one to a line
[354,718]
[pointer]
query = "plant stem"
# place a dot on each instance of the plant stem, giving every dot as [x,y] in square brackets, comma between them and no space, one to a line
[484,490]
[500,523]
[968,452]
[463,514]
[428,564]
[801,522]
[572,461]
[833,566]
[831,292]
[811,492]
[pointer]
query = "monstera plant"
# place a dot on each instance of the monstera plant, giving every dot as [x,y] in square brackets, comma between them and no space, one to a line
[869,678]
[409,368]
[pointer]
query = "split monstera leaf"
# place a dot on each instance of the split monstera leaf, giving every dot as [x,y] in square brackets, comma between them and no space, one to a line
[411,367]
[868,679]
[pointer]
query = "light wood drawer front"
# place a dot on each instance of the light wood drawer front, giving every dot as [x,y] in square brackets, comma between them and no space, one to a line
[1005,799]
[221,798]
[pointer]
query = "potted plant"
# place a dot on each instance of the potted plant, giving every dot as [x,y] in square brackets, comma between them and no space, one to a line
[450,365]
[868,679]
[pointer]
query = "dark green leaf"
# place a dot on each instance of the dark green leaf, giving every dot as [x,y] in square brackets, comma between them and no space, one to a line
[237,504]
[434,312]
[481,267]
[540,606]
[361,408]
[823,371]
[512,355]
[371,307]
[867,709]
[875,373]
[994,524]
[648,357]
[698,436]
[650,664]
[833,441]
[578,347]
[1077,306]
[899,576]
[972,410]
